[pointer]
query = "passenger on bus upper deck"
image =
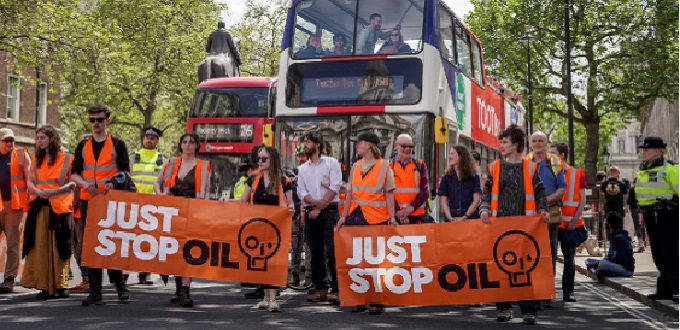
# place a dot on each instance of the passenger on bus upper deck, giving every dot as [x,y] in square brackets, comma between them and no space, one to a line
[313,48]
[369,36]
[395,44]
[340,45]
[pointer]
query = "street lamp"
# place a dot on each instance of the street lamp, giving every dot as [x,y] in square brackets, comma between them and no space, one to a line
[605,158]
[527,39]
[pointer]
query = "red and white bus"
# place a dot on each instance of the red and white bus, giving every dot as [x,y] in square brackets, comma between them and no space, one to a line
[432,85]
[230,116]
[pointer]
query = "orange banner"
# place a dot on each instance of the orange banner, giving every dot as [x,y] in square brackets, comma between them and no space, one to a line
[451,263]
[188,237]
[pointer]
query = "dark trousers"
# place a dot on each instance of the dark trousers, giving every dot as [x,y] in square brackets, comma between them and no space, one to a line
[569,270]
[526,306]
[662,228]
[95,274]
[81,228]
[553,248]
[319,237]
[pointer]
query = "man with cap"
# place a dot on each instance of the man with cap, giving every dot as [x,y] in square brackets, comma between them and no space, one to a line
[657,194]
[614,192]
[146,164]
[14,165]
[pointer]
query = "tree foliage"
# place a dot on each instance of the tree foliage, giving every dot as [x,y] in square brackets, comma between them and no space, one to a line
[624,54]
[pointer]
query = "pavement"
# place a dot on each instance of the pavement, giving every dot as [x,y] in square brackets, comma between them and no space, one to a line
[642,283]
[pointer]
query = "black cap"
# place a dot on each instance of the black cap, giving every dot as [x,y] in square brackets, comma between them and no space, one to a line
[366,136]
[245,164]
[150,130]
[653,142]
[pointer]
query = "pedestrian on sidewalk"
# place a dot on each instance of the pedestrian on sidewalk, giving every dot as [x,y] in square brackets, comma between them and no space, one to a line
[619,260]
[638,224]
[657,195]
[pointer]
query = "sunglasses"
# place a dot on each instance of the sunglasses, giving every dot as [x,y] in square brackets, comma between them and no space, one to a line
[8,140]
[394,35]
[406,146]
[262,159]
[98,120]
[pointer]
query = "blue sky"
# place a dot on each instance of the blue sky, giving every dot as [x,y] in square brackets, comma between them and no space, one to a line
[237,7]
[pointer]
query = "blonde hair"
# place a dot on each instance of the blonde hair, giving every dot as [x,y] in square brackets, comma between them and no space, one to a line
[376,151]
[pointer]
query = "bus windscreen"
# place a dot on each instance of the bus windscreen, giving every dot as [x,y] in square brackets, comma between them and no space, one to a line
[230,102]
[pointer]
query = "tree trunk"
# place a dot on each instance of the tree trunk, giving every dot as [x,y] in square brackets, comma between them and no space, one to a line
[592,147]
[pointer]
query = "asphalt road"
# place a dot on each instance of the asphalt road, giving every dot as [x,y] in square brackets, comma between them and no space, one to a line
[221,305]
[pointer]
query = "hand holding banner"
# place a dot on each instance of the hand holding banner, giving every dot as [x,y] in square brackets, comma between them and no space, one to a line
[188,237]
[446,263]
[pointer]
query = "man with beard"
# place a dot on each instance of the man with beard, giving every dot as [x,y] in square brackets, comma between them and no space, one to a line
[146,163]
[319,182]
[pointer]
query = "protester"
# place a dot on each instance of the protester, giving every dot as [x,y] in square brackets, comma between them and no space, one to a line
[96,161]
[657,195]
[513,188]
[14,165]
[411,181]
[460,192]
[269,187]
[185,176]
[319,181]
[47,232]
[370,195]
[619,260]
[573,202]
[146,164]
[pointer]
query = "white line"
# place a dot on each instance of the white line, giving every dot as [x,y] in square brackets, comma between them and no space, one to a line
[651,322]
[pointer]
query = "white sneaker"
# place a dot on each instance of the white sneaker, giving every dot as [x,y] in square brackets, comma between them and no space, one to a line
[264,304]
[274,306]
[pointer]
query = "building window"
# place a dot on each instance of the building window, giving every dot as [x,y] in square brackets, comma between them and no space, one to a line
[622,146]
[13,83]
[41,110]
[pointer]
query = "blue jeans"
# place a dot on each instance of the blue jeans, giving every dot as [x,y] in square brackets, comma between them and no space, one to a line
[569,269]
[608,266]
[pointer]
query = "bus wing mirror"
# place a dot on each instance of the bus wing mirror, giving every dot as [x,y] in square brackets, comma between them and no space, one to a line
[268,135]
[441,130]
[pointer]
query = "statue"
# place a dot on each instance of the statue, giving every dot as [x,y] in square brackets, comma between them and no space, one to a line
[224,59]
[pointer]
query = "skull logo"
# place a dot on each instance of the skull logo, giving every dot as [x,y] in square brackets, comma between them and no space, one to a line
[517,254]
[259,240]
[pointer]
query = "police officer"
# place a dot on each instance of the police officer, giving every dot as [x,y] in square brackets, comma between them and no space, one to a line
[657,195]
[146,163]
[246,169]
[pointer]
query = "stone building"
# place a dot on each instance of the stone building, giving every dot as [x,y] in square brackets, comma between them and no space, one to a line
[27,100]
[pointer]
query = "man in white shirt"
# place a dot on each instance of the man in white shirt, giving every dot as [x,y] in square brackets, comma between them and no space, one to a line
[319,182]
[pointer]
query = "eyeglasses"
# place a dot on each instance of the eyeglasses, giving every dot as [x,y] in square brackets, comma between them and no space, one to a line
[339,40]
[8,140]
[394,35]
[98,120]
[406,146]
[262,159]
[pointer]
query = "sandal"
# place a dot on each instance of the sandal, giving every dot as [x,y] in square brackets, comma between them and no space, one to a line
[358,309]
[376,310]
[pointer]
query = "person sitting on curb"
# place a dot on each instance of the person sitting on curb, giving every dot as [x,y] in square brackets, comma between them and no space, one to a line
[619,261]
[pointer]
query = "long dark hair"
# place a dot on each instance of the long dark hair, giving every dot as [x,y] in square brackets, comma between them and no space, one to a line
[466,164]
[275,172]
[53,149]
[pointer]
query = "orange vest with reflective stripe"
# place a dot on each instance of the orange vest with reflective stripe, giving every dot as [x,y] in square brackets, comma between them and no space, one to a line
[101,170]
[528,170]
[572,197]
[201,172]
[283,200]
[407,185]
[17,183]
[54,177]
[369,192]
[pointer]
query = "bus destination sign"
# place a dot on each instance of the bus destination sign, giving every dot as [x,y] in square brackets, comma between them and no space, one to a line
[242,133]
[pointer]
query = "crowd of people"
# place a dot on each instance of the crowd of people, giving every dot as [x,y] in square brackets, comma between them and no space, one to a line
[55,187]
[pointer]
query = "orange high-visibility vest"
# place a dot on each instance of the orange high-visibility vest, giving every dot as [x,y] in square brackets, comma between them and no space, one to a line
[54,177]
[19,188]
[529,200]
[407,185]
[283,200]
[200,175]
[341,204]
[571,199]
[98,171]
[369,192]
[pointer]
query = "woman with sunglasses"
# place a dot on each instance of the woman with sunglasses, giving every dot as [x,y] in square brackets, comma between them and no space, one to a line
[47,232]
[460,189]
[269,187]
[395,44]
[189,177]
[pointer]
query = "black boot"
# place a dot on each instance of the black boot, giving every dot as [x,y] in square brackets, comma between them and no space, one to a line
[257,294]
[143,279]
[185,298]
[93,299]
[178,290]
[123,292]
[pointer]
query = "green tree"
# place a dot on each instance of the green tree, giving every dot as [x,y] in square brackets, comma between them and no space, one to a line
[260,34]
[624,54]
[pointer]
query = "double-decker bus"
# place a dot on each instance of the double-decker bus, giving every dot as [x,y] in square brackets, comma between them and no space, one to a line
[230,116]
[431,85]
